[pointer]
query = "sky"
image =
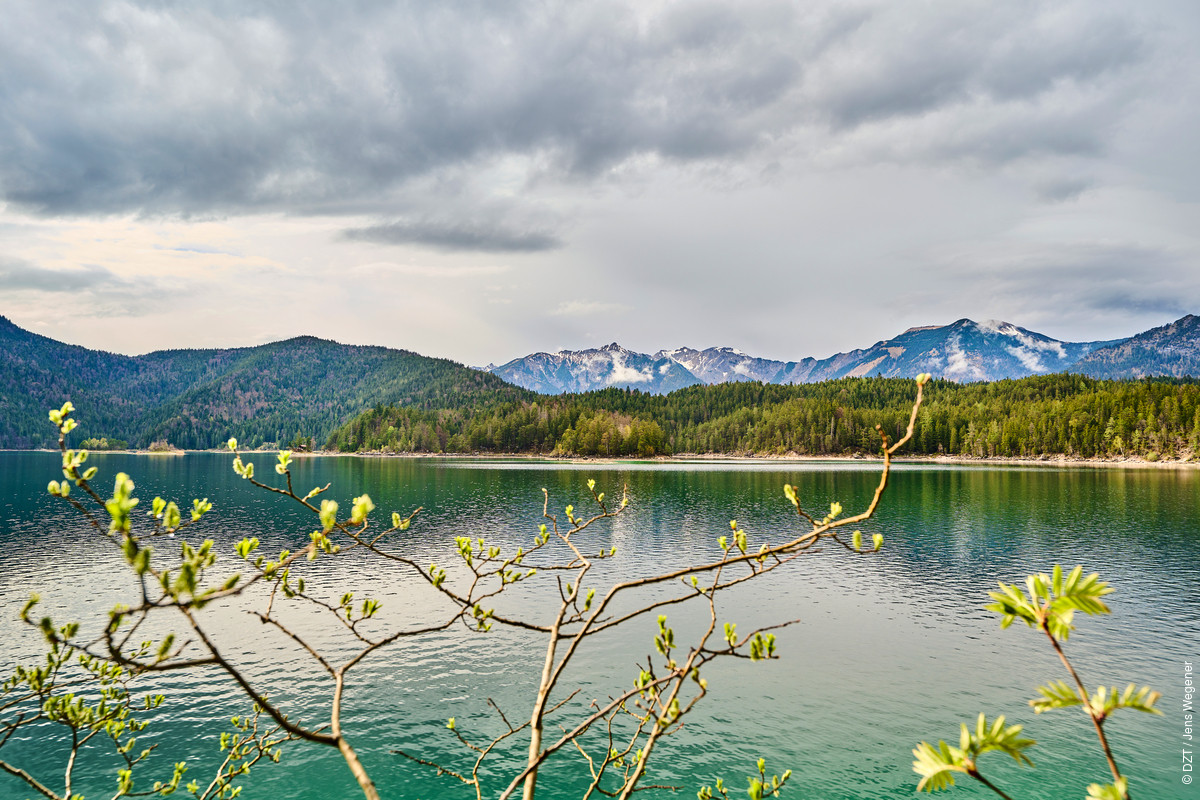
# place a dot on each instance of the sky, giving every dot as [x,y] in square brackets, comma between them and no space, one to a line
[482,180]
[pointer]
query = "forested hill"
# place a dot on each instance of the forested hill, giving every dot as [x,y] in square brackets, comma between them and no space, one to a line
[1045,415]
[304,387]
[353,398]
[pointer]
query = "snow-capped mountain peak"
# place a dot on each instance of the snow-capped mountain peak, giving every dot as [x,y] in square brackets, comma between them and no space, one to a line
[964,350]
[722,364]
[597,368]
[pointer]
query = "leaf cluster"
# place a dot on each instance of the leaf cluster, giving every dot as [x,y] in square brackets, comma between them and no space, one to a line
[1049,602]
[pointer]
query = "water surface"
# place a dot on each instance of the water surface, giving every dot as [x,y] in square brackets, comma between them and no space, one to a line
[889,649]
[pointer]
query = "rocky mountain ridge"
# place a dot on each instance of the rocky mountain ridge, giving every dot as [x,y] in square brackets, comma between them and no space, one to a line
[1172,349]
[962,351]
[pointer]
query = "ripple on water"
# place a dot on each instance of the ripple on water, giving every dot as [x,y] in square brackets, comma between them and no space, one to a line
[888,650]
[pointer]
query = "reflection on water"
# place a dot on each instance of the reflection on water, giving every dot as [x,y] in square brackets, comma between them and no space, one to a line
[889,649]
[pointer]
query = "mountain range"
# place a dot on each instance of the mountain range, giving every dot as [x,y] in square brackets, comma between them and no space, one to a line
[313,388]
[962,351]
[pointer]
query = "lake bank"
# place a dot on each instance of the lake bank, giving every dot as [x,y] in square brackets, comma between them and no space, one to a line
[986,461]
[1056,461]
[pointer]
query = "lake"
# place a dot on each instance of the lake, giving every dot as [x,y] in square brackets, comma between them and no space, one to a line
[889,649]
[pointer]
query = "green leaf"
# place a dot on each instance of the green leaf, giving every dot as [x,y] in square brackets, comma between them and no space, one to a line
[1055,695]
[121,505]
[1000,738]
[1052,600]
[200,508]
[1080,593]
[362,507]
[171,516]
[1105,700]
[937,766]
[1109,791]
[1012,604]
[329,509]
[165,647]
[246,546]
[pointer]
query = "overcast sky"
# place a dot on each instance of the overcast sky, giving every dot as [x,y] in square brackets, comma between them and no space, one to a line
[483,180]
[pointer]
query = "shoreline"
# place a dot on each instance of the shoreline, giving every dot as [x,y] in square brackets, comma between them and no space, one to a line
[1056,461]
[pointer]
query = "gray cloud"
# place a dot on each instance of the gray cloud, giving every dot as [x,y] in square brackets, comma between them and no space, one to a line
[97,291]
[1061,190]
[17,275]
[1097,289]
[215,108]
[456,236]
[722,173]
[900,64]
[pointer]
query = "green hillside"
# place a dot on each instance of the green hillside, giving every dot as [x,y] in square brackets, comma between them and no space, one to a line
[37,373]
[199,398]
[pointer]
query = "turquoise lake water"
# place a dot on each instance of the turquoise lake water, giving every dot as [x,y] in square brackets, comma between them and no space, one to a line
[889,649]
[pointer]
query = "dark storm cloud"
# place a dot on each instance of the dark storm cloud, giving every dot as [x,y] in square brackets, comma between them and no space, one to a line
[219,108]
[456,237]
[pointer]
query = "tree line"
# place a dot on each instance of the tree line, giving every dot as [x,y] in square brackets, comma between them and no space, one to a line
[1061,414]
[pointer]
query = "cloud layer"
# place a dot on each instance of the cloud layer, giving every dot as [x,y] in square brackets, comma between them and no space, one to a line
[212,108]
[678,162]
